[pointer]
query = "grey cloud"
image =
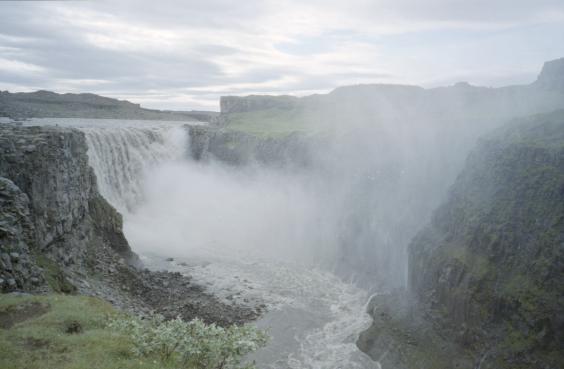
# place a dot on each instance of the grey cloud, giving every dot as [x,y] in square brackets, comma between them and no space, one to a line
[39,34]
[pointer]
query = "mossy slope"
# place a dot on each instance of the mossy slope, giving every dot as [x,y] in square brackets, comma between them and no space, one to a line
[486,276]
[489,270]
[40,339]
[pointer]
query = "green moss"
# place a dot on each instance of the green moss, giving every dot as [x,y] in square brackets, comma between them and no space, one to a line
[269,122]
[41,342]
[475,264]
[398,342]
[515,342]
[54,275]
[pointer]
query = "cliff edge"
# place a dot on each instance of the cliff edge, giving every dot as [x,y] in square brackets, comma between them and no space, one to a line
[58,234]
[486,277]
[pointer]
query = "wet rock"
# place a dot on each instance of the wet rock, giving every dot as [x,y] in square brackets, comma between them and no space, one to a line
[486,276]
[16,263]
[49,204]
[55,226]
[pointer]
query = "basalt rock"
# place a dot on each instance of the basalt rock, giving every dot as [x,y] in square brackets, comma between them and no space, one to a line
[57,233]
[52,214]
[17,268]
[240,148]
[486,277]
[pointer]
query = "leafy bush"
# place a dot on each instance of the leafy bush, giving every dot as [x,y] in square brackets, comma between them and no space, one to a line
[193,344]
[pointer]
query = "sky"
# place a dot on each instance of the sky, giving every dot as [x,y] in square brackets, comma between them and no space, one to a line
[184,54]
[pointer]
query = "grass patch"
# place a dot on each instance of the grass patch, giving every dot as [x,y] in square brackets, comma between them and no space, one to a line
[41,341]
[54,275]
[272,122]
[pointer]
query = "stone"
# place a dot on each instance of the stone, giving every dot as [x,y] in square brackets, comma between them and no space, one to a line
[485,274]
[29,149]
[73,327]
[38,212]
[7,262]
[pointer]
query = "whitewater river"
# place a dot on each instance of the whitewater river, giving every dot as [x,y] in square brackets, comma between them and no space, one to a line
[210,230]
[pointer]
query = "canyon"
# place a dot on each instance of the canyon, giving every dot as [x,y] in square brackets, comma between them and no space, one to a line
[445,204]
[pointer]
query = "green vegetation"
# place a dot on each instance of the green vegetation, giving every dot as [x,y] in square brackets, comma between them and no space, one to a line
[403,341]
[191,344]
[39,340]
[272,122]
[72,332]
[54,275]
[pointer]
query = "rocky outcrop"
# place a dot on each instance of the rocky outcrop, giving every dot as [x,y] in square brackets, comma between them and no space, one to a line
[242,104]
[54,214]
[486,277]
[17,268]
[58,234]
[239,148]
[552,76]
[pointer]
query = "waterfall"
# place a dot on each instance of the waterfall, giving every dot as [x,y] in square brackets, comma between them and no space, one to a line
[123,156]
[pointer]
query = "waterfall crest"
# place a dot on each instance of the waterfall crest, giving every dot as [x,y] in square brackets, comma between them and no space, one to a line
[123,156]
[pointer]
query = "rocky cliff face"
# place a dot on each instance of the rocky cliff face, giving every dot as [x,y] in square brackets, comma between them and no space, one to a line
[552,75]
[238,104]
[395,149]
[53,213]
[17,268]
[239,148]
[488,273]
[58,234]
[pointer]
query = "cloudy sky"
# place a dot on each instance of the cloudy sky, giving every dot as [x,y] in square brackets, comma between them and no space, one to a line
[184,54]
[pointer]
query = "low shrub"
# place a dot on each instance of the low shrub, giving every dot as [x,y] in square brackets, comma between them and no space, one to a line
[192,344]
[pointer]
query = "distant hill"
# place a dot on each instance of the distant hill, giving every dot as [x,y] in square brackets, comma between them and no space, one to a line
[47,104]
[349,107]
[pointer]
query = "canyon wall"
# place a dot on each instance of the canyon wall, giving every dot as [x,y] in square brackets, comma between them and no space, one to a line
[53,217]
[486,276]
[386,153]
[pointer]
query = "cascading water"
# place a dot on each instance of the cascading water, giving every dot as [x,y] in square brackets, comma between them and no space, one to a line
[123,156]
[245,236]
[123,153]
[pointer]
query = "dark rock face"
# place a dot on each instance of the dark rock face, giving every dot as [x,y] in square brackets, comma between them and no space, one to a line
[17,268]
[51,167]
[54,215]
[239,148]
[57,233]
[487,275]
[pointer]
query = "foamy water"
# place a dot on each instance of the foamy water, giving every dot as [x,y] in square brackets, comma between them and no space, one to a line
[245,242]
[313,317]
